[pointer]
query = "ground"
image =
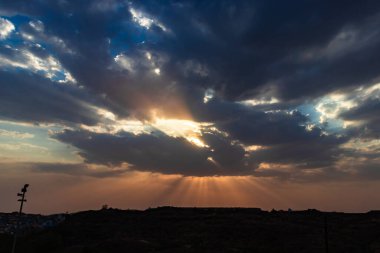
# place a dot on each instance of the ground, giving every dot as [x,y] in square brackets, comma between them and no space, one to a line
[169,229]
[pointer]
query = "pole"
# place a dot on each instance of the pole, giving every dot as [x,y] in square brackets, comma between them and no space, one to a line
[22,200]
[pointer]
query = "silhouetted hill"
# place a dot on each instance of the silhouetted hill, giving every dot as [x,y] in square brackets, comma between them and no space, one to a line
[169,229]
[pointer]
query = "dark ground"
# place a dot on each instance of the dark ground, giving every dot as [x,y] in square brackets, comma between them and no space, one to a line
[204,230]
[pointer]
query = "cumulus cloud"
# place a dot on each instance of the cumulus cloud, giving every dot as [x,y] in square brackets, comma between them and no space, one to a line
[6,28]
[158,152]
[143,152]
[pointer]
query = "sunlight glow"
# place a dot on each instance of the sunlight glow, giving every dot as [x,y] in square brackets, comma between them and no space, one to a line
[243,191]
[254,102]
[131,126]
[188,129]
[106,114]
[253,148]
[196,141]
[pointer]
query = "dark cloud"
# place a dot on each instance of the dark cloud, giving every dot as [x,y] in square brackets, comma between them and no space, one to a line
[351,165]
[239,48]
[267,128]
[289,136]
[296,51]
[30,97]
[158,152]
[230,157]
[318,153]
[286,137]
[367,111]
[251,44]
[368,114]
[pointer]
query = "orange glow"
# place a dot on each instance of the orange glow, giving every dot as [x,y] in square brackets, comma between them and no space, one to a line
[223,191]
[141,190]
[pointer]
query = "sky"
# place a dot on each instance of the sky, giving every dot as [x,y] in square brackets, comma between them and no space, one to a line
[137,104]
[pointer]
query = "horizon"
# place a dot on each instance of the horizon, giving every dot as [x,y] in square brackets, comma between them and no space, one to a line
[139,104]
[108,208]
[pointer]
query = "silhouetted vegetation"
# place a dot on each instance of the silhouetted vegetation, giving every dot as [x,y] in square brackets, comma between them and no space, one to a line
[178,230]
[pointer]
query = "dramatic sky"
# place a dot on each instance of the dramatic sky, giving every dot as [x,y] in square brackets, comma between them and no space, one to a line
[270,104]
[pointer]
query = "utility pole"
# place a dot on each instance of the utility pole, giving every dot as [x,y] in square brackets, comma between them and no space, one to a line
[22,200]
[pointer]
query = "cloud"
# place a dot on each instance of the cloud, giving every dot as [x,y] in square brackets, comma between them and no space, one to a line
[143,152]
[267,128]
[72,169]
[367,114]
[281,136]
[22,146]
[265,49]
[241,32]
[15,134]
[76,169]
[158,152]
[243,67]
[32,98]
[319,153]
[45,64]
[6,28]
